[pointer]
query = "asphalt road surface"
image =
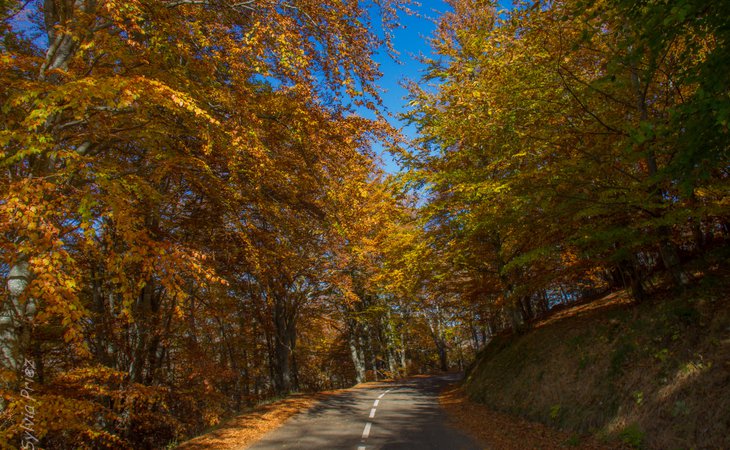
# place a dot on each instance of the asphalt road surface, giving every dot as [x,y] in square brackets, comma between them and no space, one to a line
[404,415]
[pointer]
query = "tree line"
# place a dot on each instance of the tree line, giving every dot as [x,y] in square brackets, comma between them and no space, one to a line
[192,215]
[193,219]
[570,148]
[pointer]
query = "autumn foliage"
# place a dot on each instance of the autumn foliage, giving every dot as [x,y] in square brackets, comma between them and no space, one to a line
[571,148]
[190,210]
[193,218]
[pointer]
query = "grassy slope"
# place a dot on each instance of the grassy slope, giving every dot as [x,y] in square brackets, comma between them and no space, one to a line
[654,375]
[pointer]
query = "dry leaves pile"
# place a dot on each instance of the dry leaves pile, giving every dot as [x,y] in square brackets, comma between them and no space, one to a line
[500,431]
[245,429]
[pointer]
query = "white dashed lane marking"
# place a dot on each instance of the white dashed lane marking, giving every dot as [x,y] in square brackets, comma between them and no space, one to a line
[368,425]
[366,431]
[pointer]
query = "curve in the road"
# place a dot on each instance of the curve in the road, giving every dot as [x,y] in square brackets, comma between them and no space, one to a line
[408,418]
[368,425]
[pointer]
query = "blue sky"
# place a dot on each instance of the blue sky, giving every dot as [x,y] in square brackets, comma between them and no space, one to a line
[411,40]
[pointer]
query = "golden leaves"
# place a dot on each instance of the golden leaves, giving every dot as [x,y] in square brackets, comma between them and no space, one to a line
[180,162]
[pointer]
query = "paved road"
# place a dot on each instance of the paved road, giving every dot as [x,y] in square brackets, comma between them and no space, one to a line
[406,416]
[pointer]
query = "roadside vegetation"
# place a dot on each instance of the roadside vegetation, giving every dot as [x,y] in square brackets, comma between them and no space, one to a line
[576,153]
[194,220]
[653,375]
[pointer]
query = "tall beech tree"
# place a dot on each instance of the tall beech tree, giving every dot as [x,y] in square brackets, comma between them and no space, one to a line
[168,206]
[555,152]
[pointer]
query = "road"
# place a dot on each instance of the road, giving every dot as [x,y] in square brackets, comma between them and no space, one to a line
[395,416]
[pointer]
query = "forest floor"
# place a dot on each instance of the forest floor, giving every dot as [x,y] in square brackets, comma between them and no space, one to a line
[246,428]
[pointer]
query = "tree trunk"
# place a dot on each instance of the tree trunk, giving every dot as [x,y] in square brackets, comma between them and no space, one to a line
[15,319]
[667,249]
[390,344]
[357,359]
[285,328]
[670,258]
[439,340]
[402,352]
[293,356]
[13,315]
[443,358]
[141,331]
[526,309]
[636,281]
[372,351]
[474,332]
[516,317]
[699,236]
[357,353]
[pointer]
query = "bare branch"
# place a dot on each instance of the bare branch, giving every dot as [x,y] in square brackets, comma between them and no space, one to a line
[234,6]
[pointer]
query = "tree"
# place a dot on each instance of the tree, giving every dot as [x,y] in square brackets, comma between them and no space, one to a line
[550,145]
[168,165]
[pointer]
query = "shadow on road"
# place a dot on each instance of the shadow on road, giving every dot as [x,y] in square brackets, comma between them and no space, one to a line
[407,417]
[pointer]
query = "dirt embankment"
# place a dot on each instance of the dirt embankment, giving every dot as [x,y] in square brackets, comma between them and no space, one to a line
[495,430]
[654,375]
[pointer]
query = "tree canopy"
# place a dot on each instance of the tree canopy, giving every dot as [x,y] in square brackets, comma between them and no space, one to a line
[194,218]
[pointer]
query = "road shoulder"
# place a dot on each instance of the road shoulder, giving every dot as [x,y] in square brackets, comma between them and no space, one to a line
[247,428]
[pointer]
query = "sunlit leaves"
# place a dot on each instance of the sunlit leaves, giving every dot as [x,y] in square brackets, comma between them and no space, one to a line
[169,167]
[555,130]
